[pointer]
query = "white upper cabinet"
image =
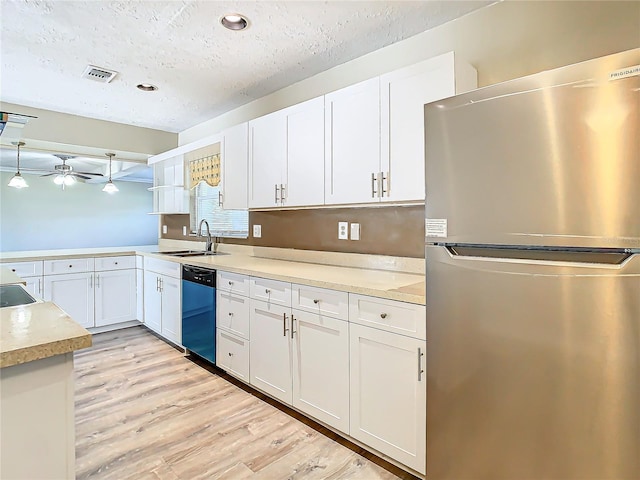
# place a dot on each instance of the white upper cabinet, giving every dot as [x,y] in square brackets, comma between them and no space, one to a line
[235,162]
[305,154]
[267,160]
[352,143]
[403,94]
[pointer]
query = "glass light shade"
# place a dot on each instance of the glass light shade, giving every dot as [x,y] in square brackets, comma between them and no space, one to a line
[18,181]
[69,180]
[110,187]
[59,179]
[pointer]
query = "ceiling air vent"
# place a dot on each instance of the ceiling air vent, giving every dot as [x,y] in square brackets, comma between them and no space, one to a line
[98,74]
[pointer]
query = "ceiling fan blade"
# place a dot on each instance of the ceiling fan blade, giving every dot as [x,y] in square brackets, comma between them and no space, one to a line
[79,176]
[89,173]
[48,174]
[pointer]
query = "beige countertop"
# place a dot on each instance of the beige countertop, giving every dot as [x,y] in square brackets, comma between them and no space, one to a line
[383,283]
[36,331]
[7,277]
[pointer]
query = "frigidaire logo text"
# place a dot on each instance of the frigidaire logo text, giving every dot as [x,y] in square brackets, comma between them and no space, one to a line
[625,72]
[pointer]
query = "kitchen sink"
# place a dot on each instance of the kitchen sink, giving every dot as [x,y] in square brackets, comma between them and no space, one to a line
[12,295]
[190,253]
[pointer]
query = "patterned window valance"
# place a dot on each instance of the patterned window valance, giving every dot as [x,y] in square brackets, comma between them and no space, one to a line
[206,169]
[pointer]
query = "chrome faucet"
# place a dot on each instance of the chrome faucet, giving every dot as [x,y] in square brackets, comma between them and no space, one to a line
[209,242]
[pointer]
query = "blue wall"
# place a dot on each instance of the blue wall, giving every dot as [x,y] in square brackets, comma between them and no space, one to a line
[43,217]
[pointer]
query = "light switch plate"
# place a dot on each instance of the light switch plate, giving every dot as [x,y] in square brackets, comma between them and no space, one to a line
[257,231]
[164,229]
[184,230]
[355,231]
[343,230]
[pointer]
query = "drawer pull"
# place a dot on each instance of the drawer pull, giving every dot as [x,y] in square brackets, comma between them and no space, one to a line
[13,269]
[231,314]
[316,301]
[116,263]
[230,282]
[420,369]
[70,266]
[230,354]
[383,315]
[267,291]
[284,325]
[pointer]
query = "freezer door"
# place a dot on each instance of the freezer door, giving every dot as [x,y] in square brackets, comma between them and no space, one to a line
[533,368]
[552,159]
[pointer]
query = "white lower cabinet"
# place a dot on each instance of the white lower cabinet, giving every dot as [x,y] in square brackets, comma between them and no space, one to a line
[232,354]
[115,297]
[270,350]
[388,394]
[163,299]
[73,293]
[321,367]
[30,272]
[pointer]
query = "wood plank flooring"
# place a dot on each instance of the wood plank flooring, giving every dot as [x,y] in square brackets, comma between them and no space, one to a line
[144,411]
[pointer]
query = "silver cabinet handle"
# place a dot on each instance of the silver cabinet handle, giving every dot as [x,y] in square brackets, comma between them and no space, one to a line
[420,369]
[283,195]
[40,286]
[157,284]
[382,186]
[277,189]
[97,280]
[373,186]
[219,198]
[284,325]
[316,301]
[383,315]
[161,285]
[293,319]
[91,281]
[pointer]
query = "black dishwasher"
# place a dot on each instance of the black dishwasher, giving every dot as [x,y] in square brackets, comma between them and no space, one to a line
[199,311]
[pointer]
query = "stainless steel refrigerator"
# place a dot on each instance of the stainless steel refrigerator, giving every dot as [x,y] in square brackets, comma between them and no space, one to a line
[533,277]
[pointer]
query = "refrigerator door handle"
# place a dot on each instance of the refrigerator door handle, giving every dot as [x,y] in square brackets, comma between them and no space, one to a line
[590,259]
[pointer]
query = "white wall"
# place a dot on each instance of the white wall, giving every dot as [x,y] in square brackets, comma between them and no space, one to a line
[503,41]
[44,217]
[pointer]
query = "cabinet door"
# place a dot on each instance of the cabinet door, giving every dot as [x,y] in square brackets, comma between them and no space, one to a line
[305,154]
[321,368]
[73,293]
[115,296]
[267,159]
[269,350]
[34,286]
[388,394]
[352,143]
[235,163]
[171,309]
[152,301]
[403,94]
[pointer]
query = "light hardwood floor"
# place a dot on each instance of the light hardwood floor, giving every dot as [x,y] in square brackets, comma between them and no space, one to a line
[144,411]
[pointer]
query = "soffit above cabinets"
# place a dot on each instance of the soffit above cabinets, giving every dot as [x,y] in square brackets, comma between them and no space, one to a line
[201,69]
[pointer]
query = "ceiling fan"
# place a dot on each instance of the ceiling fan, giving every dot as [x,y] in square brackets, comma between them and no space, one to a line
[65,175]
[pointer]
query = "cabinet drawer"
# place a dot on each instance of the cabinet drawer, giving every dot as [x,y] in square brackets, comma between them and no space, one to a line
[233,313]
[320,300]
[115,263]
[70,265]
[392,316]
[24,269]
[271,291]
[163,267]
[232,354]
[233,282]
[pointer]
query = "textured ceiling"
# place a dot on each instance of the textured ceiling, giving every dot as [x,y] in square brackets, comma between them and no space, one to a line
[202,70]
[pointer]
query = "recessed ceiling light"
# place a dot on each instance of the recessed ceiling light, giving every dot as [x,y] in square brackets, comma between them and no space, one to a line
[234,21]
[146,87]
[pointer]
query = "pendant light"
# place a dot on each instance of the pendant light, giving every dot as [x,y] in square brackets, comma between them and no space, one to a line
[18,181]
[110,186]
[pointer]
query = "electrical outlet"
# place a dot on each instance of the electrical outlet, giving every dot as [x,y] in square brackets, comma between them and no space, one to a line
[184,230]
[164,229]
[257,231]
[343,230]
[355,231]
